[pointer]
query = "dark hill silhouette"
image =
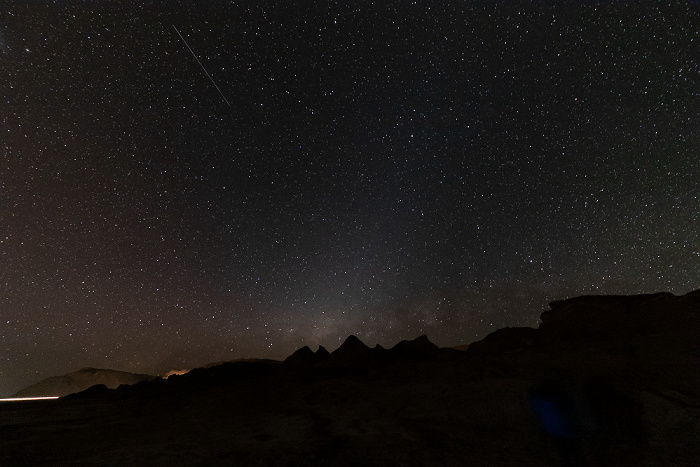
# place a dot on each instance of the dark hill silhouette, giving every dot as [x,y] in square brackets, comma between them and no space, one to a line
[586,320]
[604,380]
[322,353]
[302,357]
[417,348]
[504,340]
[79,381]
[352,352]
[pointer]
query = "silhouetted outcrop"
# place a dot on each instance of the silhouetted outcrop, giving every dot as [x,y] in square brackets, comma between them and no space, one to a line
[604,380]
[420,347]
[322,353]
[79,381]
[304,356]
[93,392]
[588,320]
[230,372]
[352,353]
[504,340]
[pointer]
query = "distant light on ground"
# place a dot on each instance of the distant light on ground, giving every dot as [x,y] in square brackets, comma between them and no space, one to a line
[15,399]
[175,372]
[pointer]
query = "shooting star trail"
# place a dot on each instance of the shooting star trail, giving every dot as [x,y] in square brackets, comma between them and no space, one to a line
[200,64]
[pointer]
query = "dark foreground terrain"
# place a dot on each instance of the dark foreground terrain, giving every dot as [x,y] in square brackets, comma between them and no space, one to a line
[603,381]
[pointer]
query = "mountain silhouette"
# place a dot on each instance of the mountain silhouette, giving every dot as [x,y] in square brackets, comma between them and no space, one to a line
[352,352]
[79,381]
[603,380]
[420,347]
[302,357]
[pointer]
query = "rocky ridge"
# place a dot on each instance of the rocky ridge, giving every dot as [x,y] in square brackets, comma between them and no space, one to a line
[604,380]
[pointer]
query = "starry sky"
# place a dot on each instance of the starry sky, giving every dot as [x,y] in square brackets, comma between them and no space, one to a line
[189,182]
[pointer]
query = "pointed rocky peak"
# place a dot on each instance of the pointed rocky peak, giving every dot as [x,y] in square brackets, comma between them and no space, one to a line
[322,353]
[352,352]
[424,342]
[303,356]
[351,343]
[419,347]
[380,352]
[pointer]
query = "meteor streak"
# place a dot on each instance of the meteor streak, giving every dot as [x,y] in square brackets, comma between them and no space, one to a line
[200,64]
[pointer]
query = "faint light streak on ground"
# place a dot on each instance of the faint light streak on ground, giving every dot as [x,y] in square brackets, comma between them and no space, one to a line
[16,399]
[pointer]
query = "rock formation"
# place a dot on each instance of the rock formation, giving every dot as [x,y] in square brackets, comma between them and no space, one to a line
[604,380]
[79,381]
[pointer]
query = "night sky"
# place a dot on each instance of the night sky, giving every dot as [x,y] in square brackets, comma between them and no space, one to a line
[384,169]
